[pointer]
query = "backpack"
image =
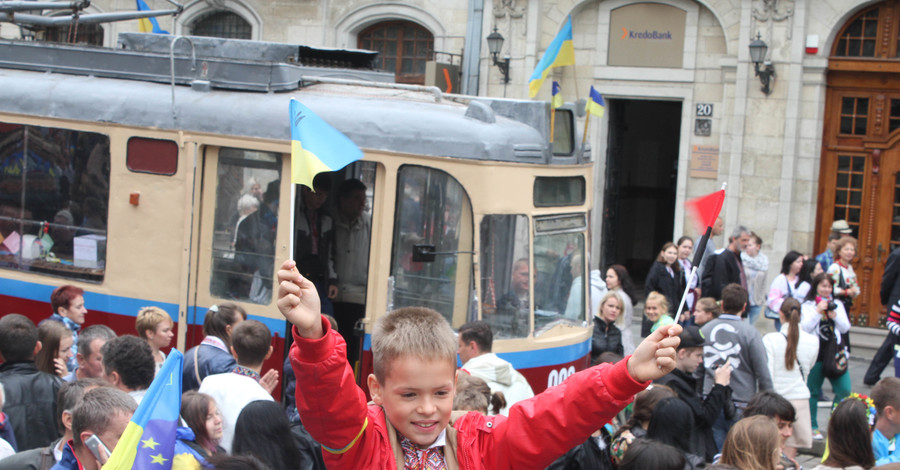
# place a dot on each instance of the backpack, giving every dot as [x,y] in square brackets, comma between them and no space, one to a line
[834,355]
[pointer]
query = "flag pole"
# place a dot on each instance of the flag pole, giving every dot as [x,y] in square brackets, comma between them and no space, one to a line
[586,121]
[698,255]
[552,122]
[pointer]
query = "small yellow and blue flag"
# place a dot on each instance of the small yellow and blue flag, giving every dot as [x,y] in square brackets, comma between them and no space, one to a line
[596,105]
[560,52]
[148,25]
[149,440]
[557,100]
[316,147]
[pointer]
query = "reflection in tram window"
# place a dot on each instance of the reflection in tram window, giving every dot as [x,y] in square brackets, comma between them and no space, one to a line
[505,274]
[432,208]
[559,286]
[245,225]
[53,203]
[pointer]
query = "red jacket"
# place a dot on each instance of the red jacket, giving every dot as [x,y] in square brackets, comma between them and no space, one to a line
[536,432]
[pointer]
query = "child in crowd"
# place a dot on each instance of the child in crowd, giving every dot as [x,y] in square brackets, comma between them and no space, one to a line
[199,440]
[752,444]
[886,395]
[656,309]
[637,424]
[849,435]
[707,309]
[154,326]
[413,386]
[474,394]
[672,423]
[647,453]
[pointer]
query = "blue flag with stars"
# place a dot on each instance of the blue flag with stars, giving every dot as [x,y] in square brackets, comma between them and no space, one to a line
[149,440]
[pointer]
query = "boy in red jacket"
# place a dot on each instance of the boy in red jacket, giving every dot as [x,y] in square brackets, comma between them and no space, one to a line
[410,424]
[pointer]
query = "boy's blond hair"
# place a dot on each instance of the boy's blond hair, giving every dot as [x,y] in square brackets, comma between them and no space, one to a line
[411,331]
[148,318]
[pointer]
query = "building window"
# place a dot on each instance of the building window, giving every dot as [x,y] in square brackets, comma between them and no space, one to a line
[858,40]
[223,24]
[848,190]
[854,115]
[83,34]
[404,47]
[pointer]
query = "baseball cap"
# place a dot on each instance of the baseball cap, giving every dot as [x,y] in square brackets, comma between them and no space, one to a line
[841,226]
[692,337]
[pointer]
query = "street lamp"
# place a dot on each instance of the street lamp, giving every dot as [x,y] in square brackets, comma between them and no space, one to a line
[758,49]
[495,43]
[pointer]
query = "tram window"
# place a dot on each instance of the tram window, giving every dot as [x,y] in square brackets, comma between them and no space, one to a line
[563,133]
[559,191]
[53,203]
[159,157]
[245,224]
[432,208]
[505,274]
[559,280]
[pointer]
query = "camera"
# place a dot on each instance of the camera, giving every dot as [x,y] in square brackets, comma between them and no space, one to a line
[831,305]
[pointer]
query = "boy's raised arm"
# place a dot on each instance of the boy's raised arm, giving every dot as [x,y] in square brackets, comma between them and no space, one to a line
[298,301]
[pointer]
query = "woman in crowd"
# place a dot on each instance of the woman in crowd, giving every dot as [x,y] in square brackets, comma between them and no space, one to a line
[656,309]
[850,434]
[666,278]
[618,281]
[213,354]
[821,315]
[263,431]
[685,247]
[791,354]
[785,284]
[672,423]
[56,348]
[846,287]
[607,337]
[200,439]
[756,268]
[636,426]
[707,309]
[751,444]
[154,326]
[811,268]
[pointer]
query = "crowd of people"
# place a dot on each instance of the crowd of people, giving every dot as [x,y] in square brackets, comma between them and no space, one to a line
[702,388]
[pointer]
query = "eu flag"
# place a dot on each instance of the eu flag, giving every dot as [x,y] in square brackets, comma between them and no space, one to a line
[147,25]
[316,147]
[149,440]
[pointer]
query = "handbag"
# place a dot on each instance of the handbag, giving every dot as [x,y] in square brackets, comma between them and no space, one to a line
[845,299]
[772,314]
[834,356]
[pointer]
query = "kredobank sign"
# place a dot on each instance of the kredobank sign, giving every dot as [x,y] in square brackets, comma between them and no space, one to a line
[646,35]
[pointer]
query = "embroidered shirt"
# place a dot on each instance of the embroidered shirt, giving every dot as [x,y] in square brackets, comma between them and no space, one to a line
[432,458]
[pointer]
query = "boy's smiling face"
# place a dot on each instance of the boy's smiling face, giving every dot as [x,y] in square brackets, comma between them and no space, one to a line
[417,397]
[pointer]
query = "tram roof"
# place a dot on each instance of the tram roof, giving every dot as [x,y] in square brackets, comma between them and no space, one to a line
[386,118]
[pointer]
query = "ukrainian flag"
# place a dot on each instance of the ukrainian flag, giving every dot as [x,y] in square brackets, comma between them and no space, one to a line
[560,52]
[147,25]
[595,105]
[316,147]
[557,100]
[149,440]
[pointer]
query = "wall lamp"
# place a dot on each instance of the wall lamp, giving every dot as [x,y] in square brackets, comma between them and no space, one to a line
[758,49]
[495,43]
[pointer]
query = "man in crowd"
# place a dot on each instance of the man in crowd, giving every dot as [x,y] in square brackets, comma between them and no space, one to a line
[738,343]
[475,342]
[717,229]
[68,308]
[129,365]
[726,267]
[839,228]
[352,230]
[886,395]
[104,412]
[30,394]
[688,358]
[89,357]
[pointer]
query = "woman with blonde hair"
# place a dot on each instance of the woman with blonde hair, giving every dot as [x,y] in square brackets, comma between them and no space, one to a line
[607,336]
[154,326]
[656,309]
[751,444]
[665,277]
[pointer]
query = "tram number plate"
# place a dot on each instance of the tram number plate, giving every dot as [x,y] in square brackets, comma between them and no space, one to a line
[557,377]
[704,109]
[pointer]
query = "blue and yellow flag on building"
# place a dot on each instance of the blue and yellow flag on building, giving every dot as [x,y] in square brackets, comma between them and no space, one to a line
[148,25]
[560,52]
[316,147]
[557,100]
[596,105]
[149,440]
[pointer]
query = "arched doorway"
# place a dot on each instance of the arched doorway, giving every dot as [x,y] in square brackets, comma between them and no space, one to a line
[859,178]
[404,48]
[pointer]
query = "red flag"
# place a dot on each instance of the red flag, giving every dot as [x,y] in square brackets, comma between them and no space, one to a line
[705,209]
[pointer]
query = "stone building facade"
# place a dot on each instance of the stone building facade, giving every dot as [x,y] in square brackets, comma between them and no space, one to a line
[685,111]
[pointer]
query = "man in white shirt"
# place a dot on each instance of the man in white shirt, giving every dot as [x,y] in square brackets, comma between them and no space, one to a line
[475,342]
[251,345]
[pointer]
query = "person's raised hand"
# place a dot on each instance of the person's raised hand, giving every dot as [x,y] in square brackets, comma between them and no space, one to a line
[655,356]
[59,365]
[269,380]
[298,301]
[723,373]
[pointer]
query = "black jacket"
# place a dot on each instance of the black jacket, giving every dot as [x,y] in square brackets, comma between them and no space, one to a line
[586,455]
[607,338]
[890,280]
[659,280]
[723,269]
[30,403]
[705,411]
